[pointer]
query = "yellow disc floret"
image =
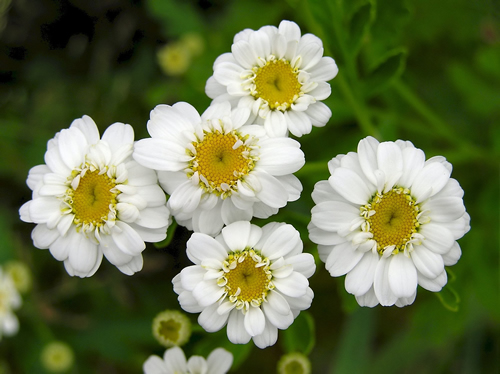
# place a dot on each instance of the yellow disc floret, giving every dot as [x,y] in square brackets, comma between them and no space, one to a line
[277,83]
[221,160]
[247,278]
[392,219]
[92,200]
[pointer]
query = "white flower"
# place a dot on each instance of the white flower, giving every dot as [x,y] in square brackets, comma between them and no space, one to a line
[216,170]
[252,279]
[91,198]
[219,361]
[388,219]
[10,300]
[280,75]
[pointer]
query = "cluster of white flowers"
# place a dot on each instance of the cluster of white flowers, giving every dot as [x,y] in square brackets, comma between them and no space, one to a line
[386,217]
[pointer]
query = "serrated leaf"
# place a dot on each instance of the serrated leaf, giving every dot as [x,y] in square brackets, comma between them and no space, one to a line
[359,26]
[300,336]
[389,68]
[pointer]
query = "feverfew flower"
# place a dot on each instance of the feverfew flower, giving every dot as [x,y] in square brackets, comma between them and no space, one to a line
[10,300]
[91,198]
[216,170]
[252,279]
[280,75]
[388,219]
[219,361]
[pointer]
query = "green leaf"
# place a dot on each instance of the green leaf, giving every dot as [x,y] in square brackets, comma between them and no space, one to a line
[389,67]
[300,336]
[359,26]
[177,17]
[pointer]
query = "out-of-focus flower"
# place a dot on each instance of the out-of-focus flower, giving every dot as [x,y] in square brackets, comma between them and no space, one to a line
[175,57]
[280,75]
[91,198]
[171,327]
[10,300]
[388,219]
[219,361]
[20,274]
[57,357]
[253,279]
[294,363]
[217,170]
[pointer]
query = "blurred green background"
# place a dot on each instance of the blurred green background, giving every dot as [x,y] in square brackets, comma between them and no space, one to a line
[426,71]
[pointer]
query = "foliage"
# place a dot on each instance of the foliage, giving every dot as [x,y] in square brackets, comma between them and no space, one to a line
[424,71]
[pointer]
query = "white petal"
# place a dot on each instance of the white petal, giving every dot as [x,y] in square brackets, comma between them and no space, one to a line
[437,238]
[294,286]
[342,259]
[43,237]
[236,332]
[267,338]
[118,135]
[369,299]
[276,124]
[254,321]
[280,156]
[334,216]
[430,180]
[451,258]
[211,320]
[402,276]
[319,113]
[160,154]
[207,293]
[219,361]
[175,360]
[298,123]
[381,285]
[413,162]
[360,279]
[444,209]
[280,319]
[186,197]
[72,147]
[127,239]
[433,284]
[303,263]
[154,365]
[236,235]
[281,242]
[325,70]
[350,186]
[367,154]
[390,161]
[427,262]
[272,193]
[202,247]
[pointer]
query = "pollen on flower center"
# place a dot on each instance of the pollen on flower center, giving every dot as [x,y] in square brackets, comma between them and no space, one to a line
[392,219]
[247,278]
[221,160]
[277,83]
[93,198]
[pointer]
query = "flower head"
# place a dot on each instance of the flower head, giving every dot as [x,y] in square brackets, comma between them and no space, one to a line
[10,300]
[294,363]
[171,327]
[252,279]
[57,357]
[388,219]
[216,170]
[219,361]
[91,198]
[279,74]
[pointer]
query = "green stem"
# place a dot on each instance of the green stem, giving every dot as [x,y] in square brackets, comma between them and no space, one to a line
[359,109]
[440,126]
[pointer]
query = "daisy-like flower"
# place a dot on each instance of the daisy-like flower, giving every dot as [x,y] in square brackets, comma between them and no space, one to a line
[216,169]
[219,361]
[10,300]
[388,219]
[91,198]
[280,75]
[253,279]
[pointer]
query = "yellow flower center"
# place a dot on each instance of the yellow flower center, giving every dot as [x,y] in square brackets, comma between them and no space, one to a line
[221,161]
[247,278]
[277,83]
[393,219]
[93,198]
